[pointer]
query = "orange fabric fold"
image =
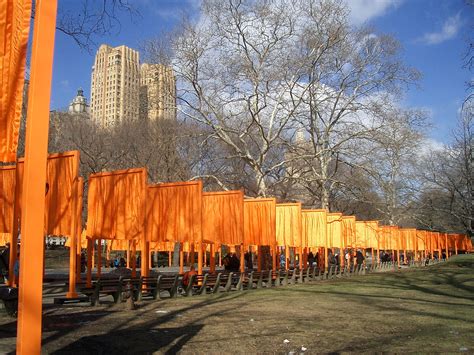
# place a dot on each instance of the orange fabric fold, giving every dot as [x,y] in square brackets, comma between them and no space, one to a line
[15,17]
[288,224]
[314,228]
[223,217]
[260,221]
[7,198]
[174,212]
[116,204]
[335,230]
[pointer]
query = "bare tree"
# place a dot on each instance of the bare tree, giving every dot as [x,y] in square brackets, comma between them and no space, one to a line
[351,76]
[236,74]
[391,163]
[449,178]
[90,19]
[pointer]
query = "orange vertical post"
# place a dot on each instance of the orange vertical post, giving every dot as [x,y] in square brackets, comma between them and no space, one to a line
[170,258]
[242,258]
[181,259]
[192,258]
[90,252]
[34,181]
[446,243]
[259,258]
[212,259]
[220,255]
[99,258]
[133,259]
[79,228]
[145,259]
[199,246]
[14,237]
[287,256]
[150,259]
[128,254]
[74,241]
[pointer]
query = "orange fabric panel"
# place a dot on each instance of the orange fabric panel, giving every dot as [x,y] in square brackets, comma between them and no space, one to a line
[83,240]
[334,236]
[404,236]
[372,230]
[288,224]
[5,238]
[116,204]
[62,170]
[411,243]
[421,240]
[385,238]
[7,198]
[436,240]
[349,231]
[15,16]
[174,212]
[260,221]
[223,217]
[314,228]
[162,246]
[361,234]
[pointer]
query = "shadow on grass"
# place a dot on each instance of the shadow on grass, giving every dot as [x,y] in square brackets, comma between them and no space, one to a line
[145,337]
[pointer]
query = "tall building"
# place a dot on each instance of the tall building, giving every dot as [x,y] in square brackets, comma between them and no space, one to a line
[115,85]
[79,103]
[157,92]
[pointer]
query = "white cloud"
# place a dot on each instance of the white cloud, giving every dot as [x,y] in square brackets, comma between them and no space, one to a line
[365,10]
[449,30]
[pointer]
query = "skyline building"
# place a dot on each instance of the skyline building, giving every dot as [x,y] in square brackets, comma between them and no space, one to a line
[115,85]
[122,90]
[157,92]
[79,103]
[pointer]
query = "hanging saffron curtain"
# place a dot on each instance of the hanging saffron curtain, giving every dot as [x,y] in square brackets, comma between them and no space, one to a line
[334,236]
[314,228]
[288,224]
[361,235]
[404,238]
[7,198]
[83,240]
[15,17]
[62,170]
[260,221]
[349,231]
[223,217]
[385,237]
[116,204]
[421,240]
[174,212]
[372,232]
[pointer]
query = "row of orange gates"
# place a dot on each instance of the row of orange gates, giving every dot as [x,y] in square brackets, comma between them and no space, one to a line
[137,216]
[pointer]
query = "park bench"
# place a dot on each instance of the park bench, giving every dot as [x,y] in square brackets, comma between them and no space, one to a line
[148,287]
[246,281]
[279,278]
[105,287]
[264,278]
[9,297]
[168,283]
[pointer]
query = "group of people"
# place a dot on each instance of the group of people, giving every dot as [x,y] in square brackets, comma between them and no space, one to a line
[231,262]
[5,264]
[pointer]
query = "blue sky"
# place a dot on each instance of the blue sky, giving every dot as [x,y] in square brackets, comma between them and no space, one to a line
[433,34]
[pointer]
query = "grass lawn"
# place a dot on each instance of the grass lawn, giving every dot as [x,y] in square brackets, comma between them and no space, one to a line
[418,310]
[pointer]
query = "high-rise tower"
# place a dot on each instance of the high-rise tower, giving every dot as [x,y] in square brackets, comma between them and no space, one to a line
[115,85]
[157,92]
